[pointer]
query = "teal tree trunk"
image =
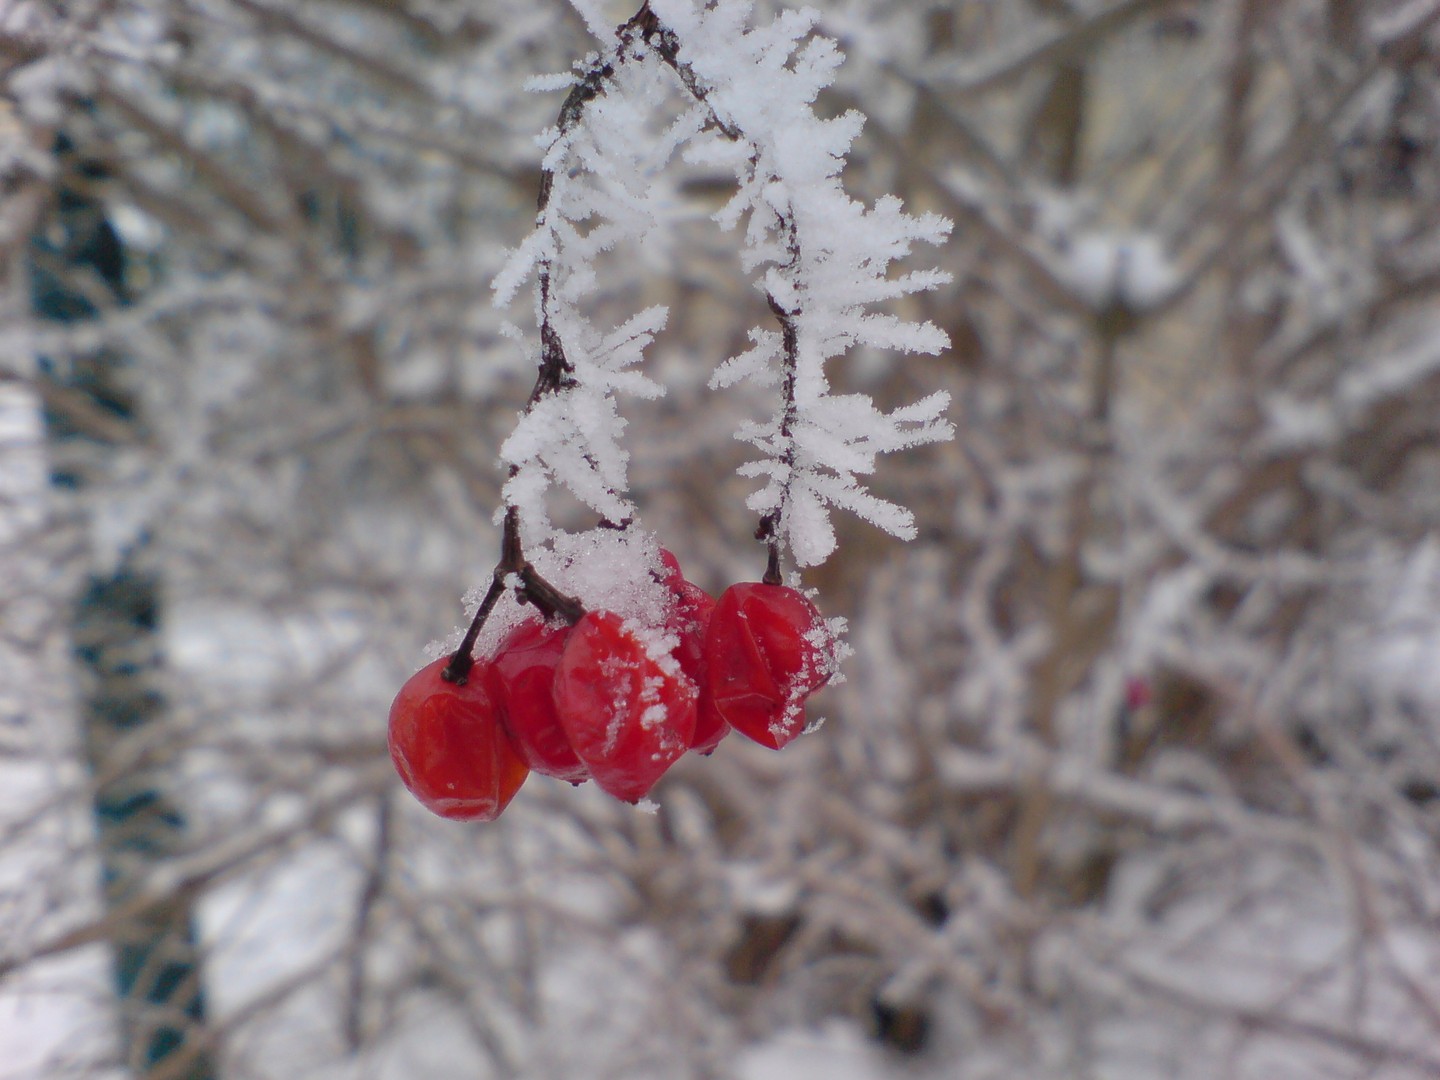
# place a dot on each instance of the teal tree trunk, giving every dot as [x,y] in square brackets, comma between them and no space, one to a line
[77,266]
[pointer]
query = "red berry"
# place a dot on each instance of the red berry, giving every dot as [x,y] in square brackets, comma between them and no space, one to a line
[766,652]
[690,623]
[672,576]
[449,748]
[521,679]
[627,718]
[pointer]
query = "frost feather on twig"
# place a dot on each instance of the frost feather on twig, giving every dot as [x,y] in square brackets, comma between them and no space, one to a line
[826,260]
[822,260]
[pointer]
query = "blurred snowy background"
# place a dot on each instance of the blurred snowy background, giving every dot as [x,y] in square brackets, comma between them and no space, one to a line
[1136,770]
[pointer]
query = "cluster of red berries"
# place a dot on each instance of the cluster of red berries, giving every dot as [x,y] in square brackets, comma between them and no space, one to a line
[589,702]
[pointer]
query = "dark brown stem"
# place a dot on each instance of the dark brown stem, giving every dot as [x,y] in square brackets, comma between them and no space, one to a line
[769,529]
[457,671]
[533,589]
[667,47]
[556,371]
[772,565]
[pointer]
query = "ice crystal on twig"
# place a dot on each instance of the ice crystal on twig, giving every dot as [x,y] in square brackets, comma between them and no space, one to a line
[822,259]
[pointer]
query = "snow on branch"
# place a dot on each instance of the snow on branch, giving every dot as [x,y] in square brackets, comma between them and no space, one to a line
[821,258]
[594,196]
[824,259]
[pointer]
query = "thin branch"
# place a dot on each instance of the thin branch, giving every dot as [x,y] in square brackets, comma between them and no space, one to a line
[1052,47]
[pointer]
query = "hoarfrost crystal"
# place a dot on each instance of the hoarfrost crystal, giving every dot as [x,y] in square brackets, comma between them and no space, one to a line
[821,258]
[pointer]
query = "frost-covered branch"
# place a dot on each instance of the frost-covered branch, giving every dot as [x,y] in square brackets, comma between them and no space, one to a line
[822,258]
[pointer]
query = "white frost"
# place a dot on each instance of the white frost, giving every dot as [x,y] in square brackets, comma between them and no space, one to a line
[822,257]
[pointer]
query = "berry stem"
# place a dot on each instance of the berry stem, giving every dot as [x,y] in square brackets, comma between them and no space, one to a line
[772,565]
[458,669]
[533,589]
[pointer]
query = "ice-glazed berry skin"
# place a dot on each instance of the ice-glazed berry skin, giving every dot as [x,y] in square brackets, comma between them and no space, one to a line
[767,650]
[627,718]
[522,678]
[449,748]
[690,623]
